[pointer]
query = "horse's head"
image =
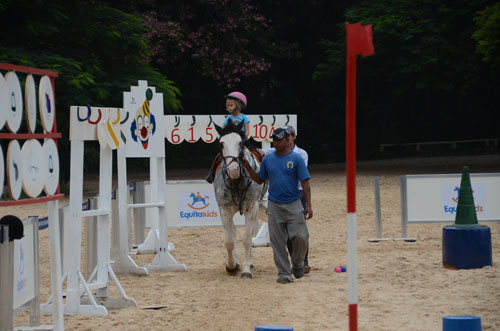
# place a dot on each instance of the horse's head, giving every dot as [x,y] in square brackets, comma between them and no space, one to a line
[231,147]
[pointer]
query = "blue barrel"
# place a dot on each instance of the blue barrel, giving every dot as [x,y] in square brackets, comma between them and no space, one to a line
[466,247]
[461,323]
[273,327]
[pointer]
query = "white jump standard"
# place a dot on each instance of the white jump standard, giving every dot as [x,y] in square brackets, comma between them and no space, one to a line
[143,133]
[80,300]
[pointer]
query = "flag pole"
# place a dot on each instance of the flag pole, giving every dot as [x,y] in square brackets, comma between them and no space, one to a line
[359,41]
[352,272]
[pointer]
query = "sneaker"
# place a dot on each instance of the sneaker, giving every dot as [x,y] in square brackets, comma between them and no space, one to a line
[298,273]
[210,178]
[307,269]
[283,280]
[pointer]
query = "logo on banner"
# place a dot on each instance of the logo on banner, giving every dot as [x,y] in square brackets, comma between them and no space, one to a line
[21,276]
[196,206]
[199,201]
[451,194]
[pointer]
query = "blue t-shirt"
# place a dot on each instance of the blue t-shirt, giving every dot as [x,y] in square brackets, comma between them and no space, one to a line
[284,173]
[237,119]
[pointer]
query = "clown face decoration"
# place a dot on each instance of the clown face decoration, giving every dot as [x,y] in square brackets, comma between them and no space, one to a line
[144,125]
[144,132]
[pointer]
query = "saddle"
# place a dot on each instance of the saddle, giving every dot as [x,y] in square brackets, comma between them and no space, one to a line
[256,155]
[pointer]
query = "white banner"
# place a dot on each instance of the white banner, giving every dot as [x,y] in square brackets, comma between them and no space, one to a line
[191,128]
[192,203]
[434,198]
[24,266]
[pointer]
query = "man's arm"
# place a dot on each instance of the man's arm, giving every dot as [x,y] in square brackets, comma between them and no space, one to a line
[307,195]
[252,172]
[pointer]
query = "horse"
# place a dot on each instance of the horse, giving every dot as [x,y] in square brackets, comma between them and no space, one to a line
[235,191]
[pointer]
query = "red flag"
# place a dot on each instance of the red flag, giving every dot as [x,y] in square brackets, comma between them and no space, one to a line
[359,39]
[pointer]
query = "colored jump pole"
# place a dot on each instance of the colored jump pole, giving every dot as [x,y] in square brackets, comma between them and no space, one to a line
[352,281]
[359,41]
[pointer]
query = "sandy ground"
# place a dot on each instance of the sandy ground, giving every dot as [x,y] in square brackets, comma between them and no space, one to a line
[402,285]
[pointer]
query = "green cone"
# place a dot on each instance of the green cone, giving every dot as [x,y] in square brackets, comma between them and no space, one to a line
[466,210]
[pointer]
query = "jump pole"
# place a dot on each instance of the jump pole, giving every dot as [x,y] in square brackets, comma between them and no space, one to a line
[359,41]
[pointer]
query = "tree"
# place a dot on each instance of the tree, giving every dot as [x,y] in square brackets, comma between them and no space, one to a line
[227,41]
[487,35]
[98,51]
[424,78]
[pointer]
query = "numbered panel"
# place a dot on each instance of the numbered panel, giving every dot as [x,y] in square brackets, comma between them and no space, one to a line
[192,128]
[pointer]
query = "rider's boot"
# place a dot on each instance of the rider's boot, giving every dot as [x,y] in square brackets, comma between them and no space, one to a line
[210,177]
[211,173]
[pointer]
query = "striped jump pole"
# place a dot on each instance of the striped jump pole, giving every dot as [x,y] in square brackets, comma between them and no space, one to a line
[359,41]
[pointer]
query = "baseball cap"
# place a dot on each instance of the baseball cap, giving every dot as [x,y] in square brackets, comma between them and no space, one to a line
[289,129]
[279,133]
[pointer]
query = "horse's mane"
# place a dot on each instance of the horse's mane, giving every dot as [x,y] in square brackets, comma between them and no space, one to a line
[231,128]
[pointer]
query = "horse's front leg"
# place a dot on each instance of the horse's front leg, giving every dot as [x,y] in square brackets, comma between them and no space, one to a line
[232,264]
[250,227]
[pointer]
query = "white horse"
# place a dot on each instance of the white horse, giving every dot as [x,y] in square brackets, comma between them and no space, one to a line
[235,192]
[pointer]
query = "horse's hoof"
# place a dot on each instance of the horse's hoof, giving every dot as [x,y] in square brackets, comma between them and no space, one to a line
[246,275]
[234,270]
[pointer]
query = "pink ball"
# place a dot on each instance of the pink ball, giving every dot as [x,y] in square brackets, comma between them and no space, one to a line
[338,269]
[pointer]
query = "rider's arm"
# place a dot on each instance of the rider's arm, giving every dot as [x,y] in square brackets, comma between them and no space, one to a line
[252,172]
[247,130]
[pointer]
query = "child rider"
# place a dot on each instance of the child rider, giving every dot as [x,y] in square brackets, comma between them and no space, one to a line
[235,103]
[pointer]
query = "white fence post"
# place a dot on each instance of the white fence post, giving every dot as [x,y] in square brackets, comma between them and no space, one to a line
[6,279]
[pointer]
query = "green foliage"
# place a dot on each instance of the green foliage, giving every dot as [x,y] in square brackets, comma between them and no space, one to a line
[424,76]
[487,34]
[98,51]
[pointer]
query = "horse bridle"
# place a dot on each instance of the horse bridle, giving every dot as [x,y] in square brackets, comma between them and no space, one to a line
[238,159]
[233,185]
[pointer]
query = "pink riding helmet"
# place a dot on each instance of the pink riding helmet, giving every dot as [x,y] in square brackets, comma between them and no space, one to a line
[238,96]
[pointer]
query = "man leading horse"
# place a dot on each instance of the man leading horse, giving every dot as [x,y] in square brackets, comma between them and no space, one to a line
[286,218]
